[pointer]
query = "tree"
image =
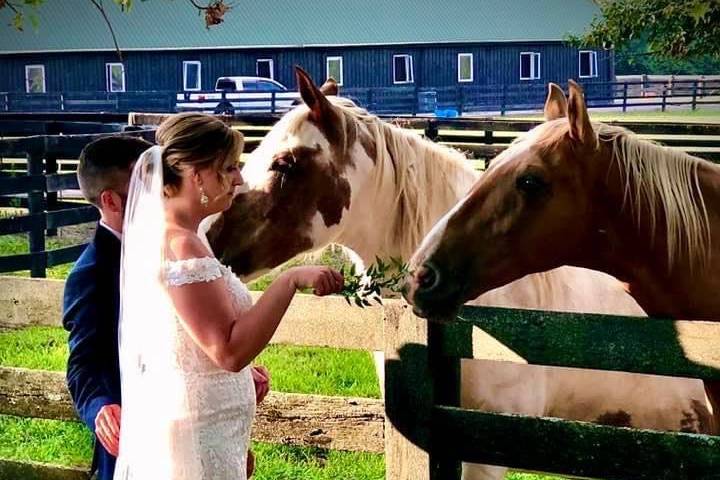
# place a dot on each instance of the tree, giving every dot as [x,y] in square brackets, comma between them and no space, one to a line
[678,29]
[27,10]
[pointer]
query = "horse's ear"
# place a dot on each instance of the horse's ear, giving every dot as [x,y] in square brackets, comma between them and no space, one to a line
[311,95]
[580,127]
[330,87]
[556,104]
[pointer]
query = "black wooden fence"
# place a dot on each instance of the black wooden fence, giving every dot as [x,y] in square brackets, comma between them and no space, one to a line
[410,100]
[33,181]
[37,189]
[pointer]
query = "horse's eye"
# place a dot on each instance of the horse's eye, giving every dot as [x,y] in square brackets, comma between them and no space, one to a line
[531,184]
[283,164]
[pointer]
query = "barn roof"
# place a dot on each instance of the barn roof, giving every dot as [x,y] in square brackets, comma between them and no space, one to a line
[75,25]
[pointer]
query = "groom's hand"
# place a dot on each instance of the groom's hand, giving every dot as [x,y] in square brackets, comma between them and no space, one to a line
[107,428]
[261,378]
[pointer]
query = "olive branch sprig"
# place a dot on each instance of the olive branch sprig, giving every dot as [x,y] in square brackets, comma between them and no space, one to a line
[362,288]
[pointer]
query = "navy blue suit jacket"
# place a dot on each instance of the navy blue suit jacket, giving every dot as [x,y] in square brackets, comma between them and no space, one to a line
[90,313]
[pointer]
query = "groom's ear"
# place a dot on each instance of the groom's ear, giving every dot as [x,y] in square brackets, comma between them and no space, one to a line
[110,201]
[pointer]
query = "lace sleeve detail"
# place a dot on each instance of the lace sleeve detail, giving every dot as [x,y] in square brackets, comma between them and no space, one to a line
[192,270]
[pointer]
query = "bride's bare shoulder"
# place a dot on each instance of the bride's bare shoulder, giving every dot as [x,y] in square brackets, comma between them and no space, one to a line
[183,244]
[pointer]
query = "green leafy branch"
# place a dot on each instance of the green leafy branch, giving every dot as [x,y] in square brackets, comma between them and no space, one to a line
[363,288]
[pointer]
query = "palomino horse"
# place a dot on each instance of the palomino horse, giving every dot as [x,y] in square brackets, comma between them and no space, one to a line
[328,172]
[576,193]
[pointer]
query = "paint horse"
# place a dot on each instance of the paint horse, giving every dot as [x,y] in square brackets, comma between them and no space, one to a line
[329,172]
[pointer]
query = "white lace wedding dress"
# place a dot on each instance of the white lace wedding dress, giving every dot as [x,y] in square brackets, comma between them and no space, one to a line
[210,410]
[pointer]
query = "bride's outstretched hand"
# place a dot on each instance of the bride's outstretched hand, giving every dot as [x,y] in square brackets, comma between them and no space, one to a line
[323,280]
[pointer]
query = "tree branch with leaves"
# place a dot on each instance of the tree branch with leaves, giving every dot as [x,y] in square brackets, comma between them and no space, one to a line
[672,28]
[26,10]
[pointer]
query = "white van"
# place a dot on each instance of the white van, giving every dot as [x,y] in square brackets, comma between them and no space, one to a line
[241,95]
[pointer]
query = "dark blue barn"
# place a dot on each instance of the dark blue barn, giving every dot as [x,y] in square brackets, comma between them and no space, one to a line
[472,45]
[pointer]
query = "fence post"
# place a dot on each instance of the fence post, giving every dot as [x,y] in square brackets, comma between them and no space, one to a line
[431,130]
[625,90]
[694,97]
[445,372]
[51,167]
[408,398]
[664,97]
[416,102]
[272,102]
[460,99]
[503,99]
[36,236]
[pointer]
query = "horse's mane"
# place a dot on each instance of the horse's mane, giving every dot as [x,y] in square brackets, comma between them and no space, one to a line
[664,179]
[426,175]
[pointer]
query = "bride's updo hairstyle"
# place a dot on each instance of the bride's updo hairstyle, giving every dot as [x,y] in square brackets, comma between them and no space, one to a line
[196,140]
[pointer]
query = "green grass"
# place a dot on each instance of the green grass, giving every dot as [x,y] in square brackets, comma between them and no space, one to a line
[709,115]
[40,348]
[18,244]
[294,369]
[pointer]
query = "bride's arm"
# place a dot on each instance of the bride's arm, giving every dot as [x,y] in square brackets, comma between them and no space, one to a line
[232,341]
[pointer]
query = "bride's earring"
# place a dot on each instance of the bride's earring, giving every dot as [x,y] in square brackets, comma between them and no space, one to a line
[204,200]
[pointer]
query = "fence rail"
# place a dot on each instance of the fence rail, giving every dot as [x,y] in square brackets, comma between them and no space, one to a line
[409,100]
[39,188]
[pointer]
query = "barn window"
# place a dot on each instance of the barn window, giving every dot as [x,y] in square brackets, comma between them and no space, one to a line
[465,67]
[529,65]
[588,64]
[403,69]
[264,67]
[334,68]
[191,76]
[35,78]
[115,77]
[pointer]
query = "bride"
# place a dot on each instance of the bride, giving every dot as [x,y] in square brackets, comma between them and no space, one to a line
[188,329]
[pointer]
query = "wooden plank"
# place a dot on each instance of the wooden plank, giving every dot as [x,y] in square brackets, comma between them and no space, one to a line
[35,393]
[310,321]
[15,263]
[29,301]
[27,470]
[72,216]
[574,448]
[408,396]
[21,184]
[21,223]
[61,181]
[61,256]
[603,342]
[338,423]
[21,146]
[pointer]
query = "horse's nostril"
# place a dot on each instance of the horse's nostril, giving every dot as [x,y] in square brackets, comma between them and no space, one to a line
[427,277]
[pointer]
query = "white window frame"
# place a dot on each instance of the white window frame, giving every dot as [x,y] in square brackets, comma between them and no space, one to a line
[27,77]
[593,64]
[327,68]
[272,67]
[408,69]
[533,74]
[199,75]
[472,66]
[108,77]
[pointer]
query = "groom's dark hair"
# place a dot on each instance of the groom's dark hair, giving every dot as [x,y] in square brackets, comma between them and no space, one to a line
[105,164]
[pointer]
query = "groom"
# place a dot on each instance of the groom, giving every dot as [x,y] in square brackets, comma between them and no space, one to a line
[92,300]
